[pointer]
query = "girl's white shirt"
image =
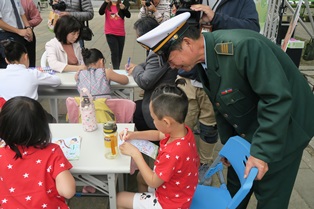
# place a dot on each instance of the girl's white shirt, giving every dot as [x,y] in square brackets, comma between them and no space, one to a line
[17,80]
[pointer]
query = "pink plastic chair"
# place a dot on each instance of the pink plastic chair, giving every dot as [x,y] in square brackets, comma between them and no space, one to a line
[122,108]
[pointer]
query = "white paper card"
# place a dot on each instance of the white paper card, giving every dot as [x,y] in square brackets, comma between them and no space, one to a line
[146,147]
[70,146]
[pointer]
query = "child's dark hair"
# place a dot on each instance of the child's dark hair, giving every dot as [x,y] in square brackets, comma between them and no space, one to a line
[91,56]
[23,122]
[65,25]
[13,50]
[169,100]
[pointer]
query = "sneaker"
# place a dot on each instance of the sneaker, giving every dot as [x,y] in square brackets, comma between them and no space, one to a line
[201,173]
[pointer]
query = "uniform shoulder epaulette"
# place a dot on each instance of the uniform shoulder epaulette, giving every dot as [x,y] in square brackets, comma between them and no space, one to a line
[224,48]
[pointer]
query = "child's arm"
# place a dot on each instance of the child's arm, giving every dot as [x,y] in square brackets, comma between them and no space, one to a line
[47,79]
[116,77]
[65,184]
[149,176]
[152,135]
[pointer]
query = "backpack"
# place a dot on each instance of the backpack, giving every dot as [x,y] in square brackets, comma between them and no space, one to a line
[102,111]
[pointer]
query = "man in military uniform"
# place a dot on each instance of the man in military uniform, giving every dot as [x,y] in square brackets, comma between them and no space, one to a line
[218,15]
[257,93]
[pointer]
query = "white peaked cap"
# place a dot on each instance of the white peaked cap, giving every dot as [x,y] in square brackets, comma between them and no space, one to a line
[165,32]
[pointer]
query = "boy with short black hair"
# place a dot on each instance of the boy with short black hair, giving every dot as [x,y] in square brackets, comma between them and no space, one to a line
[173,181]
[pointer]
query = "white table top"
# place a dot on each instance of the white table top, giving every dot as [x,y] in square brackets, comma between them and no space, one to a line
[92,157]
[68,81]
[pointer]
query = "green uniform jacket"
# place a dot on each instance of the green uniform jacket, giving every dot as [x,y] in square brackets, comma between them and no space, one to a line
[257,93]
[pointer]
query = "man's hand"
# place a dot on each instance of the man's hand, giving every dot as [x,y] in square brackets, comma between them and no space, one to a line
[152,7]
[22,32]
[26,33]
[208,13]
[29,33]
[129,68]
[259,164]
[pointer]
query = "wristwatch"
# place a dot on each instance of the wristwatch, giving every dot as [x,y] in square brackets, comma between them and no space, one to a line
[28,27]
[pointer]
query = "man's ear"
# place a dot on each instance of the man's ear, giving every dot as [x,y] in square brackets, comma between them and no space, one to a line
[187,42]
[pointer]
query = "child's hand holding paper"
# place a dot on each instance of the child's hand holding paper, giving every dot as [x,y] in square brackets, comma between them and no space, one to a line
[127,148]
[144,146]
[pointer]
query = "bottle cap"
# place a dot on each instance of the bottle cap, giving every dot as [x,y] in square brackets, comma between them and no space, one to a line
[110,127]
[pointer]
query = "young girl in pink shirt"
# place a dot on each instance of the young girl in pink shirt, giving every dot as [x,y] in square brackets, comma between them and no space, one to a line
[115,11]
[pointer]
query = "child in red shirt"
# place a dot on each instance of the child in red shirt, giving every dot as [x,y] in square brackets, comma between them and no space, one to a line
[175,173]
[34,173]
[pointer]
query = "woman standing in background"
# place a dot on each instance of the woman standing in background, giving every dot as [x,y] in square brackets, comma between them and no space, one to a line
[115,11]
